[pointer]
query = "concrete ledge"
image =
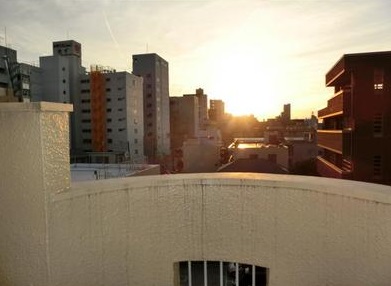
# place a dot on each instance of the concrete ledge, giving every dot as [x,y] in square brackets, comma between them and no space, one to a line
[346,188]
[35,106]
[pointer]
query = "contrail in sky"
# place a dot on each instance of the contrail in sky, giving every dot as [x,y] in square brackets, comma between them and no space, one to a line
[112,36]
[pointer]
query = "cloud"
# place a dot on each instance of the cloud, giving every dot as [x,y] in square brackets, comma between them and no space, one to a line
[296,42]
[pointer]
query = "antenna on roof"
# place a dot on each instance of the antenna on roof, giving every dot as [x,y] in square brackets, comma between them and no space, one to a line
[5,36]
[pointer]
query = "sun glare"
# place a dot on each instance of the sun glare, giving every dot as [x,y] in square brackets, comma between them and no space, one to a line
[246,80]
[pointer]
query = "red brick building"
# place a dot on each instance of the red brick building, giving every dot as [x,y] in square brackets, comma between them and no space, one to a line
[356,134]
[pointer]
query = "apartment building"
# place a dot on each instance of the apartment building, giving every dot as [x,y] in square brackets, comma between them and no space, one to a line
[184,120]
[60,80]
[216,110]
[356,132]
[14,82]
[202,107]
[111,121]
[154,70]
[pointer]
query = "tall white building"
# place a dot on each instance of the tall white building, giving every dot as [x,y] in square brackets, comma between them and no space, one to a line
[111,121]
[202,107]
[61,74]
[154,71]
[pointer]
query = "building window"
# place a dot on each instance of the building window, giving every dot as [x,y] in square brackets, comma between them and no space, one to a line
[220,273]
[86,120]
[378,125]
[85,91]
[108,89]
[85,111]
[109,130]
[378,80]
[377,166]
[86,131]
[87,141]
[120,109]
[109,141]
[108,99]
[108,120]
[64,92]
[135,141]
[136,151]
[135,130]
[85,101]
[121,129]
[108,79]
[108,109]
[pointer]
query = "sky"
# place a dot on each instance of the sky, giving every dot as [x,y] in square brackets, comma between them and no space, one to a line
[255,55]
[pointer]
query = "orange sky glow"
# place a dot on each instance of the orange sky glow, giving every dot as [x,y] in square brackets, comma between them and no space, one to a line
[255,55]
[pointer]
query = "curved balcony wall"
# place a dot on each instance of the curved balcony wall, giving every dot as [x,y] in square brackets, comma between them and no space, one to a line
[133,231]
[305,230]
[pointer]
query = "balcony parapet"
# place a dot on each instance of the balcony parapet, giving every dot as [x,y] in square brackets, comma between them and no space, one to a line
[335,72]
[330,139]
[327,169]
[334,105]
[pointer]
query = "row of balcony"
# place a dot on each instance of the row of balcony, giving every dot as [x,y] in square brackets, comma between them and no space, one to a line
[335,72]
[336,104]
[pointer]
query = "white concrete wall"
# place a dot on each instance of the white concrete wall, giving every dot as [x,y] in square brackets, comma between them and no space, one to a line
[200,157]
[34,164]
[281,152]
[307,231]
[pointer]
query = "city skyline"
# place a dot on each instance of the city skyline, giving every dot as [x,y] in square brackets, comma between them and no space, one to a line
[254,55]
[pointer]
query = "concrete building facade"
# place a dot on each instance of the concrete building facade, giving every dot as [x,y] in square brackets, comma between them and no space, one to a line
[154,70]
[216,110]
[202,107]
[14,84]
[184,120]
[61,79]
[139,231]
[356,132]
[118,118]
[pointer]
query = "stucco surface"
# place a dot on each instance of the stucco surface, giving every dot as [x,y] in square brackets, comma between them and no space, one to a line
[307,231]
[30,167]
[131,231]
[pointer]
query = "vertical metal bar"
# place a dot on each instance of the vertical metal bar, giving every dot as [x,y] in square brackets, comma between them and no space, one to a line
[189,270]
[221,273]
[237,274]
[205,273]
